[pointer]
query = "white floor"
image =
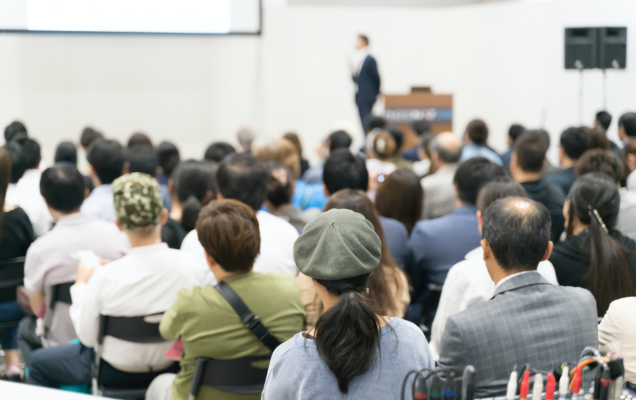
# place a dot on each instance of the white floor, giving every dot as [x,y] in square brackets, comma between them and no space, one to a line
[9,390]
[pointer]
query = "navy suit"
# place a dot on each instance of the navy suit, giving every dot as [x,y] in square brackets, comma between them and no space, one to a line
[368,88]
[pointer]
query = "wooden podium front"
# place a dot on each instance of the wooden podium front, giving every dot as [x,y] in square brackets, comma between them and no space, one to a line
[403,110]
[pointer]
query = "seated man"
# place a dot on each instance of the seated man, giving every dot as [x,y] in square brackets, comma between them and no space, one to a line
[439,193]
[468,282]
[336,140]
[49,260]
[241,177]
[574,142]
[528,320]
[205,321]
[144,282]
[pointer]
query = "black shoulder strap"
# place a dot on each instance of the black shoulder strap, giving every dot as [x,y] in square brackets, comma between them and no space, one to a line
[251,321]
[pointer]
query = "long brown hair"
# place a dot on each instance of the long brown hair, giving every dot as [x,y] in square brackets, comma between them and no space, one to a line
[379,293]
[5,178]
[400,197]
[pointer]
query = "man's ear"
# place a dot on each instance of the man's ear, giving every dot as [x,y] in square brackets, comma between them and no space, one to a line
[324,188]
[486,247]
[513,161]
[480,221]
[208,258]
[548,251]
[126,168]
[164,216]
[118,225]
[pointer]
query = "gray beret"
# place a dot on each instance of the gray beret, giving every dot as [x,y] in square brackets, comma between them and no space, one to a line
[337,244]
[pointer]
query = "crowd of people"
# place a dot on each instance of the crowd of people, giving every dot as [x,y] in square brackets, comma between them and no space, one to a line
[348,268]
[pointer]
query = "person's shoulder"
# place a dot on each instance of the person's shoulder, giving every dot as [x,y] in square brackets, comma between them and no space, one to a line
[620,306]
[281,282]
[557,195]
[271,223]
[107,228]
[625,241]
[574,294]
[393,225]
[295,349]
[405,328]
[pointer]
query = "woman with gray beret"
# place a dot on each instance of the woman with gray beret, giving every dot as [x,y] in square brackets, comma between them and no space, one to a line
[352,353]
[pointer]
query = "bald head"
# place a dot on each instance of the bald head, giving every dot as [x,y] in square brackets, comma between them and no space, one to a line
[517,230]
[448,147]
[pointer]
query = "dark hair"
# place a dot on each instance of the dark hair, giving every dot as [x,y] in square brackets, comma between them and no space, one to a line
[364,38]
[339,140]
[515,131]
[398,136]
[427,139]
[229,232]
[518,232]
[88,136]
[192,182]
[400,196]
[575,142]
[477,131]
[242,177]
[142,158]
[62,186]
[66,152]
[601,161]
[16,156]
[349,332]
[472,174]
[107,158]
[139,138]
[446,155]
[218,151]
[5,179]
[15,131]
[421,127]
[295,140]
[531,148]
[498,188]
[31,152]
[608,275]
[343,170]
[384,145]
[280,184]
[628,121]
[168,157]
[604,119]
[376,122]
[598,138]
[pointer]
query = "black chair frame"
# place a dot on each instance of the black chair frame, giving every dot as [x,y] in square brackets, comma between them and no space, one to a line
[11,276]
[61,293]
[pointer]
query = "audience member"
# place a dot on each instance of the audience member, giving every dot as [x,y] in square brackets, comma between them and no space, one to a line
[15,131]
[629,159]
[144,159]
[206,323]
[88,136]
[517,326]
[436,245]
[627,127]
[548,168]
[421,128]
[216,152]
[476,137]
[396,158]
[603,121]
[388,285]
[423,167]
[50,260]
[526,163]
[144,282]
[595,255]
[439,192]
[618,333]
[336,140]
[378,164]
[107,161]
[468,282]
[574,142]
[280,189]
[513,134]
[607,163]
[241,177]
[168,160]
[16,235]
[295,140]
[400,197]
[352,350]
[66,152]
[343,170]
[598,140]
[139,139]
[245,137]
[25,191]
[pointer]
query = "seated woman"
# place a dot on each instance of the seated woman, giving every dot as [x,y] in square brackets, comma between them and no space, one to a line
[595,255]
[353,352]
[401,197]
[388,285]
[206,323]
[617,332]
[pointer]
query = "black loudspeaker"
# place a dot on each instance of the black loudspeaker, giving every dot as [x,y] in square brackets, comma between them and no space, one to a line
[581,48]
[612,48]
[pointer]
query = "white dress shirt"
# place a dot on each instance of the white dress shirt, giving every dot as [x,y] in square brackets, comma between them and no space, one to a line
[277,245]
[468,283]
[617,332]
[144,282]
[26,194]
[100,203]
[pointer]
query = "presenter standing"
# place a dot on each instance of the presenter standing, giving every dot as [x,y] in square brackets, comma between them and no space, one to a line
[364,71]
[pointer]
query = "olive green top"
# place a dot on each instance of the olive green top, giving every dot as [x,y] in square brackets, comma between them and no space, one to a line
[209,326]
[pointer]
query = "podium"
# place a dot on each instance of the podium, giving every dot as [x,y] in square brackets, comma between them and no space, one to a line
[421,104]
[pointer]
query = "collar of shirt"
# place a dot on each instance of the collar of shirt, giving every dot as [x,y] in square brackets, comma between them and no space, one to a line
[101,190]
[501,282]
[466,209]
[76,218]
[152,248]
[478,252]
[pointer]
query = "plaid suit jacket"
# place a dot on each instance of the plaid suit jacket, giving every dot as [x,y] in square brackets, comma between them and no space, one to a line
[528,321]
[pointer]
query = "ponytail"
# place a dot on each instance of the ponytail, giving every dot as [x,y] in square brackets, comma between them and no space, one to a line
[190,212]
[349,332]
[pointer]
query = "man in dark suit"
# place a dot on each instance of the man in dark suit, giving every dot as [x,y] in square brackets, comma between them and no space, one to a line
[365,75]
[528,320]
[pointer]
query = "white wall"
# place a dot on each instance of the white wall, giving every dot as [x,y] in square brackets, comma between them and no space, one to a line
[503,62]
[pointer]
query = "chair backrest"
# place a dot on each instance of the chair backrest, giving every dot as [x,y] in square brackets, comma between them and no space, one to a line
[143,329]
[233,376]
[61,293]
[11,276]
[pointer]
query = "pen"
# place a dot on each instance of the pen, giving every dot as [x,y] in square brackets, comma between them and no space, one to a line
[468,383]
[563,382]
[512,385]
[525,385]
[537,389]
[421,387]
[578,380]
[449,388]
[550,387]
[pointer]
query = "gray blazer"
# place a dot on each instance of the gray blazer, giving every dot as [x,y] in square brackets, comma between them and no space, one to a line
[528,321]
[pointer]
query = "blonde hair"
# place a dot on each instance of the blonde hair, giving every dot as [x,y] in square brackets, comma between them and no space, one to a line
[282,151]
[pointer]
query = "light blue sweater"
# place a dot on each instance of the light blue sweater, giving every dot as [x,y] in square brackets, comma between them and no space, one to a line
[296,371]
